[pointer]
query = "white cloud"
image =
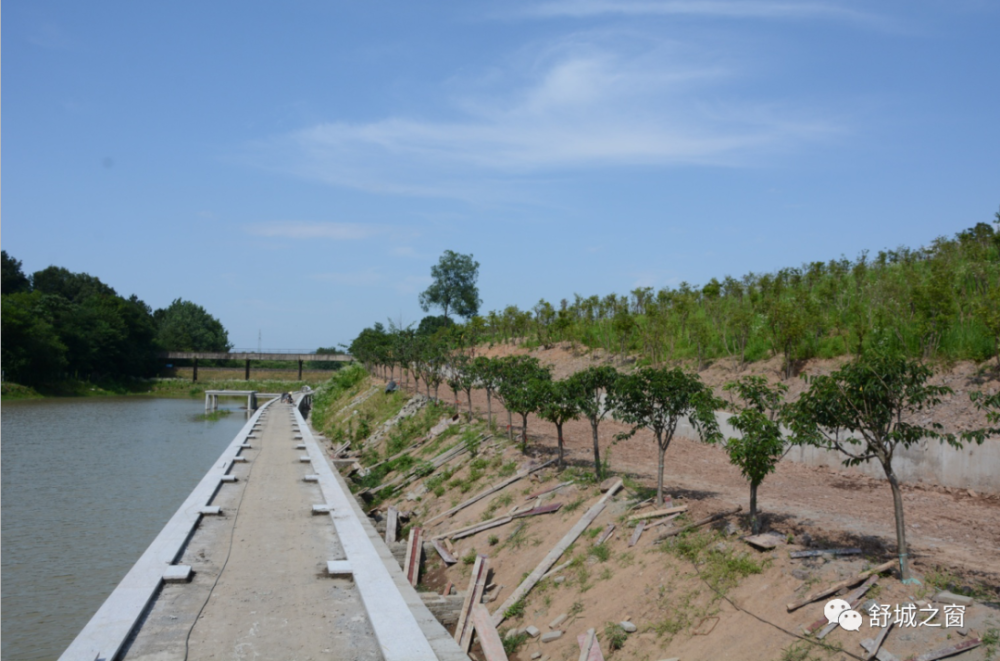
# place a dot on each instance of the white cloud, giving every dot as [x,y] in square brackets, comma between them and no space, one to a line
[295,229]
[586,101]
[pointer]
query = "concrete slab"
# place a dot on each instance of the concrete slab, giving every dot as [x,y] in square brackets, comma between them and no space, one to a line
[311,478]
[305,459]
[339,568]
[210,510]
[321,509]
[177,574]
[227,478]
[300,446]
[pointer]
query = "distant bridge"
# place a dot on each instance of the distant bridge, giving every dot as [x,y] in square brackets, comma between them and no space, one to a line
[247,356]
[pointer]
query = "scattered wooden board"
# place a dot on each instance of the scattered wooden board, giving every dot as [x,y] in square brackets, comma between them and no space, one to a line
[555,554]
[813,554]
[662,522]
[854,599]
[548,490]
[448,558]
[658,513]
[699,523]
[544,509]
[414,547]
[857,578]
[871,651]
[480,527]
[610,528]
[473,596]
[391,525]
[482,494]
[766,541]
[489,639]
[590,648]
[882,654]
[637,534]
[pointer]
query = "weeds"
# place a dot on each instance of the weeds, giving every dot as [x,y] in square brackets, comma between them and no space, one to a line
[493,540]
[574,505]
[991,642]
[511,644]
[469,558]
[614,636]
[600,551]
[515,610]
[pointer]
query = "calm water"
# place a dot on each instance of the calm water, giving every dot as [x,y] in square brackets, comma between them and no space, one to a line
[87,485]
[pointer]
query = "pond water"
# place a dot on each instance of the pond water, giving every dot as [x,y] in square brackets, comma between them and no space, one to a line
[87,484]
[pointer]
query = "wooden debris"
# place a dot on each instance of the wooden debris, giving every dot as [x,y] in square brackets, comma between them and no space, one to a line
[473,596]
[951,650]
[414,547]
[479,496]
[468,531]
[391,525]
[448,558]
[557,569]
[662,522]
[637,534]
[587,642]
[871,651]
[555,554]
[854,599]
[854,580]
[699,523]
[658,513]
[610,528]
[548,490]
[766,541]
[882,654]
[489,639]
[813,554]
[544,509]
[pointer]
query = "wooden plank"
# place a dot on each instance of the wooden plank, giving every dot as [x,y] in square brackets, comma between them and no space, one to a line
[588,643]
[391,525]
[637,534]
[610,528]
[473,597]
[448,558]
[662,522]
[555,554]
[658,513]
[557,568]
[544,509]
[548,490]
[813,554]
[854,599]
[489,639]
[951,650]
[494,523]
[414,547]
[699,523]
[871,651]
[479,496]
[882,654]
[854,580]
[766,541]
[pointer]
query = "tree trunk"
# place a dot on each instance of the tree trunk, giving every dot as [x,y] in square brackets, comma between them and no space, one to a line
[754,519]
[489,410]
[597,450]
[897,504]
[659,470]
[436,385]
[524,433]
[468,394]
[510,426]
[559,435]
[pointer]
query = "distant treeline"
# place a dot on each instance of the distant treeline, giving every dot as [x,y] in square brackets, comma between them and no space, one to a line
[59,325]
[941,301]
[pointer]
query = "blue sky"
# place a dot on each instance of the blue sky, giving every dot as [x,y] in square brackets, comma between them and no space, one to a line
[297,169]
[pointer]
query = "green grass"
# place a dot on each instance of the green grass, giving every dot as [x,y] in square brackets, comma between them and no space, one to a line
[722,568]
[600,551]
[515,610]
[614,636]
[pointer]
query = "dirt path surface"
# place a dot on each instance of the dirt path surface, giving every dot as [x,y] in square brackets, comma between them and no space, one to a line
[273,598]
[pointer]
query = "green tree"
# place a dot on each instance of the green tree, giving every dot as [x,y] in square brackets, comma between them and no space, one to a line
[761,444]
[488,375]
[14,280]
[591,389]
[31,352]
[186,326]
[454,287]
[519,388]
[558,405]
[867,410]
[657,399]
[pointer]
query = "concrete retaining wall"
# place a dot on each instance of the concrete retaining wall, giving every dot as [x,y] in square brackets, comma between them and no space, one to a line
[973,467]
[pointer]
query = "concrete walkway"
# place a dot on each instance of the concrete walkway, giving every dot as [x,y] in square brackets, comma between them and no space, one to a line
[261,585]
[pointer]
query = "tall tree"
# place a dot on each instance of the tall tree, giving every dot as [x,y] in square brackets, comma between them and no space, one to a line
[454,287]
[657,399]
[14,280]
[558,405]
[591,388]
[488,376]
[867,410]
[760,445]
[186,326]
[513,375]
